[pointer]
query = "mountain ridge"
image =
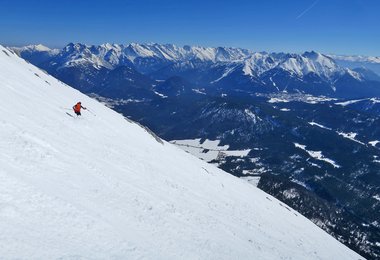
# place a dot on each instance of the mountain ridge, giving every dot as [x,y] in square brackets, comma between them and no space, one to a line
[216,67]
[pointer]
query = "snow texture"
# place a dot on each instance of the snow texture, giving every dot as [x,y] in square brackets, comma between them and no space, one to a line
[254,180]
[102,187]
[208,150]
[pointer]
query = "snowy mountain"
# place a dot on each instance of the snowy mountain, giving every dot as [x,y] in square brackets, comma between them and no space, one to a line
[36,54]
[354,62]
[288,73]
[300,65]
[218,69]
[311,62]
[112,55]
[35,48]
[101,186]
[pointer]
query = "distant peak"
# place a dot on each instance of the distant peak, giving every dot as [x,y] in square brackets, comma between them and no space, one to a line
[107,45]
[311,54]
[74,46]
[37,47]
[42,47]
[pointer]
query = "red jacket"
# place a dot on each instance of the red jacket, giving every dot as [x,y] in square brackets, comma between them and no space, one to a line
[77,107]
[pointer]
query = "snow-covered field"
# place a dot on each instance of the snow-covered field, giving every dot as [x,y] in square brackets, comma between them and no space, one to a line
[317,155]
[305,98]
[102,187]
[278,100]
[319,125]
[350,136]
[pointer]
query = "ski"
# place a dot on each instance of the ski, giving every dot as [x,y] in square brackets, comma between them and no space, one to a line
[69,114]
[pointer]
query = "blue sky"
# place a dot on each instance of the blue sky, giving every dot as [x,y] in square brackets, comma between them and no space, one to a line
[329,26]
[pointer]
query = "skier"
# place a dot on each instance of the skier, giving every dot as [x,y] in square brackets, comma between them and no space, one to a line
[77,108]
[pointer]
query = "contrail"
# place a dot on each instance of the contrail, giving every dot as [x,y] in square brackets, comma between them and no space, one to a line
[307,9]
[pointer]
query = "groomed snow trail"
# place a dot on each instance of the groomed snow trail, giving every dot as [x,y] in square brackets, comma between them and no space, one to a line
[101,187]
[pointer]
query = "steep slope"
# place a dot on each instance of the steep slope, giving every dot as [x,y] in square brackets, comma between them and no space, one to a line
[102,187]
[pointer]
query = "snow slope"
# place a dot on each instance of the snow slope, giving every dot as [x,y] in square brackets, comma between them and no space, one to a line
[101,187]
